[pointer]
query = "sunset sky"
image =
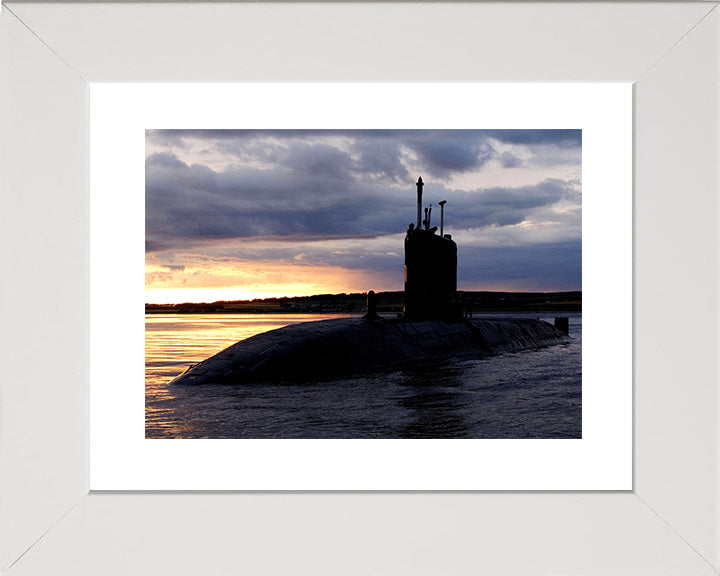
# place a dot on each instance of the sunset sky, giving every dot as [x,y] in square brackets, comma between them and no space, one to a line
[241,214]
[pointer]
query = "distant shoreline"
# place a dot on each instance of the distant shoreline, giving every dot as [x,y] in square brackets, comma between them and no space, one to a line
[388,302]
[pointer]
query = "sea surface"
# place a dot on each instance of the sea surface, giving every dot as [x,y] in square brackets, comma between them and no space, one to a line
[531,394]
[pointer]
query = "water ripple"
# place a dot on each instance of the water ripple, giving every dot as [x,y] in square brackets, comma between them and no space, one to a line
[524,395]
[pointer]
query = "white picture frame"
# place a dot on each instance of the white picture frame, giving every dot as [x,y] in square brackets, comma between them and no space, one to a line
[668,523]
[122,459]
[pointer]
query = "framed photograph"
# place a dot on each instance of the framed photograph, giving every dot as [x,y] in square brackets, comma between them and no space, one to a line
[133,167]
[300,236]
[75,280]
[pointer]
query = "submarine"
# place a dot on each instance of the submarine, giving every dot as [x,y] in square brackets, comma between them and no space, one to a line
[435,327]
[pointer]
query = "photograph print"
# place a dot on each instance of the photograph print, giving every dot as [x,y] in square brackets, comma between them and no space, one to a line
[383,284]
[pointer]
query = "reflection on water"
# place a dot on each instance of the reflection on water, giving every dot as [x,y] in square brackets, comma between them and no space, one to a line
[173,342]
[524,395]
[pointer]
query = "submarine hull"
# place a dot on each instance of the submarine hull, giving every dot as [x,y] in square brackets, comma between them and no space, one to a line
[351,346]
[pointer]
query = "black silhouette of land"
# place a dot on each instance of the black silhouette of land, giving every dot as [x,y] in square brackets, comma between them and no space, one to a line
[387,303]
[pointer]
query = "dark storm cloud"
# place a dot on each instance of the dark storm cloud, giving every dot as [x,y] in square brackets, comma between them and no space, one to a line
[380,159]
[162,160]
[249,150]
[559,137]
[499,206]
[554,137]
[318,159]
[194,203]
[509,160]
[441,152]
[317,198]
[446,156]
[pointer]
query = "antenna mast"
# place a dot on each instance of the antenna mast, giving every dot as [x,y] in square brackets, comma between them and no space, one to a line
[419,194]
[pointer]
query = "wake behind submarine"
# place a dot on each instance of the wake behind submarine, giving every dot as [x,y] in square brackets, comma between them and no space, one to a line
[433,329]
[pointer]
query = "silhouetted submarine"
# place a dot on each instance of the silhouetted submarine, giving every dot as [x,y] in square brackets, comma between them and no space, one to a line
[434,328]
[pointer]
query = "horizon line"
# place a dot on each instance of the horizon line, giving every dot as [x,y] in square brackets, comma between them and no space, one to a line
[359,294]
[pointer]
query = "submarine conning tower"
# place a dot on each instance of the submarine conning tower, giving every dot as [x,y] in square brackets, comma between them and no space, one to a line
[430,268]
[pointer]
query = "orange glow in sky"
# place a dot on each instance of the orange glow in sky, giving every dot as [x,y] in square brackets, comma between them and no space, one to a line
[249,280]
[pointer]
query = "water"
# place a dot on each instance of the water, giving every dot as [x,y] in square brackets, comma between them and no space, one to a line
[534,394]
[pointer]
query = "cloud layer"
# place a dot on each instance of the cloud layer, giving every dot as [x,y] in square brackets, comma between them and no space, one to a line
[345,198]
